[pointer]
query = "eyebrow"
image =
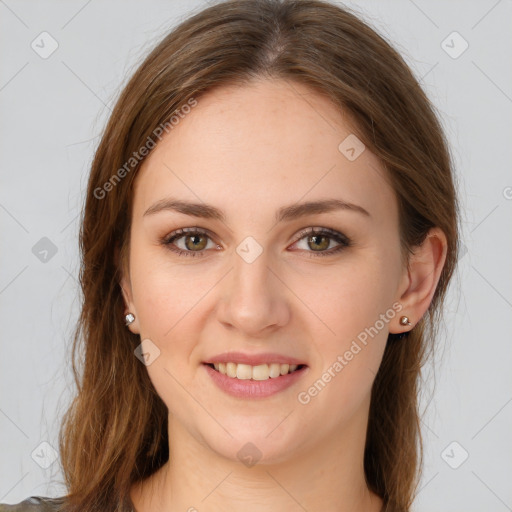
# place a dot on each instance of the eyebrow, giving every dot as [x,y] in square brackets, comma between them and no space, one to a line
[286,213]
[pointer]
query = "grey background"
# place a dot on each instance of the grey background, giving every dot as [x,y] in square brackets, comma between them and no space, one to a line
[52,114]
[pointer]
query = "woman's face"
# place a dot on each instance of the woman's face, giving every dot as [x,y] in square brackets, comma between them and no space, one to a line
[258,281]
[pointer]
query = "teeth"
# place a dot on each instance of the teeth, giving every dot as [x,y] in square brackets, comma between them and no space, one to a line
[231,370]
[259,372]
[244,371]
[275,370]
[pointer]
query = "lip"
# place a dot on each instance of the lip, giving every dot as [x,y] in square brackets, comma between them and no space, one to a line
[253,359]
[248,388]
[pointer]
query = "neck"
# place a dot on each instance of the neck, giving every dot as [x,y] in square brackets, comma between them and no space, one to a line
[327,476]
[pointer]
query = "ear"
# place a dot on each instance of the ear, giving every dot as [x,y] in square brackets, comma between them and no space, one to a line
[420,279]
[126,290]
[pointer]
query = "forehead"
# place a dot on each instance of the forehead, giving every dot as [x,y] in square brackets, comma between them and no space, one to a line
[267,143]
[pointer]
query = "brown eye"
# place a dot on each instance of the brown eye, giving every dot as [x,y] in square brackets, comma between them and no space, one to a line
[318,242]
[189,242]
[194,242]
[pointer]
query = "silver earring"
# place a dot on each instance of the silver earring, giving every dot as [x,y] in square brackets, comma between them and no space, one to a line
[129,318]
[404,320]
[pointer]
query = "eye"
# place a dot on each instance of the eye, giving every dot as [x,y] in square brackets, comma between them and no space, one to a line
[319,239]
[193,243]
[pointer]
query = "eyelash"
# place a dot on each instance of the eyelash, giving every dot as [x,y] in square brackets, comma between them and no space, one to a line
[330,233]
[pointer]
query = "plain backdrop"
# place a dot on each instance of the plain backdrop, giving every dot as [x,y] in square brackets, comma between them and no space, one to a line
[53,109]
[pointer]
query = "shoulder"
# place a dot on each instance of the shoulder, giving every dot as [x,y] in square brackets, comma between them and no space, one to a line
[34,504]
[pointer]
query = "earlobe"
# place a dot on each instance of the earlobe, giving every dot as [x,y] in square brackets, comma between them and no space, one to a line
[130,316]
[423,273]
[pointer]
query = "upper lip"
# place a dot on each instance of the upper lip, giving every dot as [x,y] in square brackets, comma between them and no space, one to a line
[253,359]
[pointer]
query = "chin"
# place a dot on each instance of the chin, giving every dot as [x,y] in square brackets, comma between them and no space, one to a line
[257,440]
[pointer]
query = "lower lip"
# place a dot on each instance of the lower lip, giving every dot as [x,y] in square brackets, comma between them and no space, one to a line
[249,388]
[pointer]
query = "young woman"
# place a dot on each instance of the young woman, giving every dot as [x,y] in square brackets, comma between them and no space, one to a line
[269,231]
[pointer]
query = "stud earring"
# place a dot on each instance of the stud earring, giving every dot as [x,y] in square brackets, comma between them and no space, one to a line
[129,318]
[404,320]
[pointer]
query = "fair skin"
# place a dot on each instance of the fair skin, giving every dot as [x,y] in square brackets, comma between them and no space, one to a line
[250,151]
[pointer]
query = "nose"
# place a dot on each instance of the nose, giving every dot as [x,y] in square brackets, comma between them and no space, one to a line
[254,299]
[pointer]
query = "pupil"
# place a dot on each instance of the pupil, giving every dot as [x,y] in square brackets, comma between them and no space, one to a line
[314,239]
[194,241]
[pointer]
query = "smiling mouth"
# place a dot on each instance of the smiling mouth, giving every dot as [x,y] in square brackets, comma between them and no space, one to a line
[259,372]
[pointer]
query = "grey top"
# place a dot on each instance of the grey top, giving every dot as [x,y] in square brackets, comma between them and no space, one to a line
[34,504]
[44,504]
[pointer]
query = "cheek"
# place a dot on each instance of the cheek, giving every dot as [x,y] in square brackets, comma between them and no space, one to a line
[345,300]
[350,320]
[165,293]
[167,299]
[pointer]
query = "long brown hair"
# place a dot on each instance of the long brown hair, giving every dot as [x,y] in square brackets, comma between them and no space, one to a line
[115,430]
